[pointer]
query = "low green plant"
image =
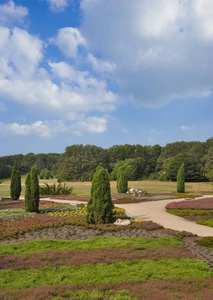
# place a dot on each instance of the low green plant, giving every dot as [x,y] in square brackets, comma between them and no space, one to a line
[206,241]
[206,223]
[15,213]
[55,189]
[39,246]
[186,212]
[143,270]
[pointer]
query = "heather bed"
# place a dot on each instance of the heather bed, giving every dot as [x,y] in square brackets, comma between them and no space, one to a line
[199,210]
[103,267]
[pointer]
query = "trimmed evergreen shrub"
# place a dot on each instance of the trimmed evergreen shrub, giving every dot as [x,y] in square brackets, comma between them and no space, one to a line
[15,185]
[32,191]
[27,198]
[181,180]
[100,206]
[122,180]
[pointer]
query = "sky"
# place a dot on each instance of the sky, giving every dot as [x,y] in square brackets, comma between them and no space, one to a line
[104,72]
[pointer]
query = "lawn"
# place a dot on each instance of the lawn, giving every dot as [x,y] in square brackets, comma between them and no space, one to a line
[149,186]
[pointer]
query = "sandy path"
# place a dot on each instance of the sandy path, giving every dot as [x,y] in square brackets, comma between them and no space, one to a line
[156,212]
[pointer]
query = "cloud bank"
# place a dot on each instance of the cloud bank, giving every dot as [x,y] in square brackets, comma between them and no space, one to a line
[161,48]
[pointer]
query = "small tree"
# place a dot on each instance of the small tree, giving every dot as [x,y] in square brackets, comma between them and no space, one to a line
[32,191]
[181,180]
[100,206]
[27,198]
[122,180]
[15,185]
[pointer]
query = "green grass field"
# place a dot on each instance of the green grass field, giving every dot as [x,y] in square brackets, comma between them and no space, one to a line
[149,186]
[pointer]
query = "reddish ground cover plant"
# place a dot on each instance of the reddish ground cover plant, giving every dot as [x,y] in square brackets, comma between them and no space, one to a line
[205,204]
[184,289]
[78,257]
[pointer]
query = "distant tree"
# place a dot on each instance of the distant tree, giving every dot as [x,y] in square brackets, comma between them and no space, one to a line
[42,174]
[32,191]
[15,185]
[181,180]
[122,180]
[100,206]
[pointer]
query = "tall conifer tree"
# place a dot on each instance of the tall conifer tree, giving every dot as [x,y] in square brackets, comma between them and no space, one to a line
[100,206]
[15,185]
[181,180]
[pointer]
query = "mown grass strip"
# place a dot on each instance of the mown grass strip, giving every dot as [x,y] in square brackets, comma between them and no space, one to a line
[186,212]
[39,246]
[144,270]
[206,223]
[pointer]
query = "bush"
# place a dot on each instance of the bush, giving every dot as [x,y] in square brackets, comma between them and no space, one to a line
[32,191]
[181,180]
[122,180]
[15,186]
[55,189]
[100,206]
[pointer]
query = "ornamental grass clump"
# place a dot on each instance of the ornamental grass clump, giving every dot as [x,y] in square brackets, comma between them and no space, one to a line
[100,206]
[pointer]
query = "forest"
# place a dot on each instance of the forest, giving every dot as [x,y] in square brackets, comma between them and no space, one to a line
[79,162]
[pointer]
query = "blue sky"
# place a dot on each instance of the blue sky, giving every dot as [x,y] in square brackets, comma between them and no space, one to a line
[104,72]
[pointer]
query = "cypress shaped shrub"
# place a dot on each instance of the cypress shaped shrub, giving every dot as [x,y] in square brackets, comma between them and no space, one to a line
[27,198]
[15,185]
[122,180]
[32,191]
[100,206]
[181,180]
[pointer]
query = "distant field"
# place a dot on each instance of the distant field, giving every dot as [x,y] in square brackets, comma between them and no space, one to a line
[149,186]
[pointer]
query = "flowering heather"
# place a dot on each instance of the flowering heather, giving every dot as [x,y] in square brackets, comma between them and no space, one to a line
[57,259]
[182,288]
[205,204]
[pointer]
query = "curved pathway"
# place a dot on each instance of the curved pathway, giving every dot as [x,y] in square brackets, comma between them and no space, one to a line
[155,211]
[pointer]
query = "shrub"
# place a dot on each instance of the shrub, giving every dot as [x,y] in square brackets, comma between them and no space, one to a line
[100,206]
[55,189]
[32,191]
[181,180]
[15,186]
[122,180]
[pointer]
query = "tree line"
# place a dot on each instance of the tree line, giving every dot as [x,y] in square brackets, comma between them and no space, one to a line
[79,162]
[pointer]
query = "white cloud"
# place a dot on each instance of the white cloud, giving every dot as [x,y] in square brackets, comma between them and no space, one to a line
[100,65]
[58,5]
[68,40]
[47,129]
[186,128]
[9,13]
[161,48]
[20,52]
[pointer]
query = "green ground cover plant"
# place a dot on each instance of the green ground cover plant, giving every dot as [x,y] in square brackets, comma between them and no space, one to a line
[144,270]
[39,246]
[184,212]
[206,223]
[181,288]
[14,214]
[206,241]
